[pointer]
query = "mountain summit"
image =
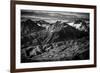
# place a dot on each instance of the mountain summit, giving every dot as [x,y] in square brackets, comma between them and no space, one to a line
[81,25]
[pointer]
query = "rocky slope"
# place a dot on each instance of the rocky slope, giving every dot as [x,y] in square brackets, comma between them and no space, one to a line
[42,41]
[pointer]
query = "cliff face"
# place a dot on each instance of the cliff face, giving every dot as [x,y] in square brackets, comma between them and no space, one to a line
[42,41]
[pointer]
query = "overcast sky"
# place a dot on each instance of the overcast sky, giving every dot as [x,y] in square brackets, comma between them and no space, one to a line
[53,14]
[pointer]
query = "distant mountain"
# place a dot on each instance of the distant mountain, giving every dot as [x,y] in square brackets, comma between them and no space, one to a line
[67,32]
[40,35]
[61,31]
[30,26]
[42,22]
[81,25]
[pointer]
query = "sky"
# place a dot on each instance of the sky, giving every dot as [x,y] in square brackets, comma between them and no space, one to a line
[53,14]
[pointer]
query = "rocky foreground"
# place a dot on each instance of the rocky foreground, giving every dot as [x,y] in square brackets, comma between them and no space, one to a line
[60,51]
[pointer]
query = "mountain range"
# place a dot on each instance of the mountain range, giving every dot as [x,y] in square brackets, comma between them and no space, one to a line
[44,41]
[44,32]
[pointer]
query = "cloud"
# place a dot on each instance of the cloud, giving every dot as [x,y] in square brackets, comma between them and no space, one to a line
[53,14]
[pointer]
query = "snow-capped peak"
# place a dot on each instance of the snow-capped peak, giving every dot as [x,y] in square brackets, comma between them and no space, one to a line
[80,26]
